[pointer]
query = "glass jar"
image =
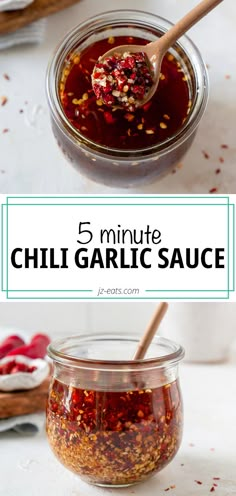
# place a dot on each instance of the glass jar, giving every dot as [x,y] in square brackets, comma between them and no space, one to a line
[121,167]
[112,420]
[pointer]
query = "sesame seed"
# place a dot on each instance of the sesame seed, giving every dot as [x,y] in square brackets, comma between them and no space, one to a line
[163,125]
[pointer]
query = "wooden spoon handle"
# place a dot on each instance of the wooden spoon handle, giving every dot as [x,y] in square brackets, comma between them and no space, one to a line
[195,15]
[11,21]
[150,331]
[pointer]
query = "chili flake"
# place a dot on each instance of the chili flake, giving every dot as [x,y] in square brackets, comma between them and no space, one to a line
[122,80]
[213,190]
[3,100]
[218,171]
[225,147]
[6,131]
[206,155]
[198,482]
[221,160]
[6,77]
[212,489]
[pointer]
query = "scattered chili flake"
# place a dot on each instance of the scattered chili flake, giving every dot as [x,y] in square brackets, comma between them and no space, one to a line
[216,478]
[3,100]
[173,486]
[213,190]
[5,131]
[225,147]
[227,76]
[6,77]
[221,160]
[218,171]
[212,489]
[198,482]
[215,485]
[167,489]
[21,111]
[111,40]
[122,79]
[206,155]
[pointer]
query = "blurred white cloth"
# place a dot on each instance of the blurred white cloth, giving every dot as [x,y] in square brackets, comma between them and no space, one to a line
[24,424]
[6,5]
[33,33]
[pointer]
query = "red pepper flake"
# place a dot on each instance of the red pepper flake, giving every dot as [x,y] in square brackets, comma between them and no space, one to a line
[213,190]
[3,100]
[215,485]
[227,76]
[122,79]
[225,147]
[198,482]
[221,160]
[173,486]
[212,489]
[5,131]
[109,118]
[206,155]
[216,478]
[6,77]
[218,171]
[167,489]
[21,111]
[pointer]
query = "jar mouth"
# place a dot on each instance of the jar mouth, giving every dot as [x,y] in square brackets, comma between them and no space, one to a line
[73,350]
[139,19]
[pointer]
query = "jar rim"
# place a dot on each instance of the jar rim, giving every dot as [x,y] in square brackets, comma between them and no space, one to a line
[163,147]
[55,351]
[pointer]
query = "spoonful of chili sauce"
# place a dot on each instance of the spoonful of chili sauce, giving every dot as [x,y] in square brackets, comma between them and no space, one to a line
[127,76]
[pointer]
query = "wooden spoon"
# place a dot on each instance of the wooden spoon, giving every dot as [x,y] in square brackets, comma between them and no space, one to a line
[156,50]
[150,331]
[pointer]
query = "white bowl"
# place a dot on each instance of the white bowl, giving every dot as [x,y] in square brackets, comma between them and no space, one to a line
[6,5]
[24,380]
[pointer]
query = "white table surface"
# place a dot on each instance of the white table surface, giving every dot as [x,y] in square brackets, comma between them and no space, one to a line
[30,161]
[28,468]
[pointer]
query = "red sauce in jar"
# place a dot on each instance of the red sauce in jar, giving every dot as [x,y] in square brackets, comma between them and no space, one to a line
[158,120]
[114,437]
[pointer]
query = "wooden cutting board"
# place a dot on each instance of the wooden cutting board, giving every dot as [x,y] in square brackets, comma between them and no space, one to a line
[24,402]
[11,21]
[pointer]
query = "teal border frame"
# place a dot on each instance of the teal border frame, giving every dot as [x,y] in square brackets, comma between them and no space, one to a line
[84,198]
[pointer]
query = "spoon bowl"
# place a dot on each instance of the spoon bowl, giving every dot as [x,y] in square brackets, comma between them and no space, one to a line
[156,50]
[153,60]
